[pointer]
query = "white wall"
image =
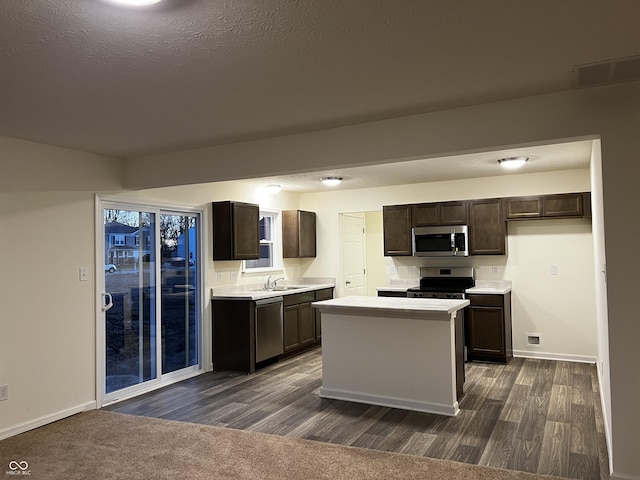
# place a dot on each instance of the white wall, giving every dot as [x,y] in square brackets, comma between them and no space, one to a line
[330,205]
[612,112]
[560,308]
[602,326]
[224,273]
[47,316]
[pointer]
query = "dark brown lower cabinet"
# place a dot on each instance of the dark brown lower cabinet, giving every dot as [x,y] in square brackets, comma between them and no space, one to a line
[234,337]
[488,328]
[323,294]
[234,332]
[299,327]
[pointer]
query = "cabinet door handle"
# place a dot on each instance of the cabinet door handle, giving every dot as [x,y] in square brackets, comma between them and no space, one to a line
[348,282]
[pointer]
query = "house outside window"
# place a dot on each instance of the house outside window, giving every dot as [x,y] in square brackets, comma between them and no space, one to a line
[270,244]
[119,240]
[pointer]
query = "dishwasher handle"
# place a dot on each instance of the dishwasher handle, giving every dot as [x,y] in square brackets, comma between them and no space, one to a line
[267,301]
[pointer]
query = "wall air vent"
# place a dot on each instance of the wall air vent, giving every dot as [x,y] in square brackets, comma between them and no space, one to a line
[602,73]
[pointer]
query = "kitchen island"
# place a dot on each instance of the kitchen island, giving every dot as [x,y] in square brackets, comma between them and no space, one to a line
[397,352]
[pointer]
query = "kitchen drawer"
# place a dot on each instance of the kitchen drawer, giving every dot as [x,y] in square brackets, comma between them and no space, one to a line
[297,298]
[486,300]
[324,294]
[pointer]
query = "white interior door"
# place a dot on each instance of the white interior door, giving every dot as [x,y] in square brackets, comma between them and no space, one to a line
[353,255]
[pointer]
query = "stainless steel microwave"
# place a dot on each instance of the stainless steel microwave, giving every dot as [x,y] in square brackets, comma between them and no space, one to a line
[444,241]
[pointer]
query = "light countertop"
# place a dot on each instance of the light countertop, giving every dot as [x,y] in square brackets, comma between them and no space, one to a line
[490,287]
[256,292]
[391,306]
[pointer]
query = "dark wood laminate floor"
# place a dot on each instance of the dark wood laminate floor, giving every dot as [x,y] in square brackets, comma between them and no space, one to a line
[532,415]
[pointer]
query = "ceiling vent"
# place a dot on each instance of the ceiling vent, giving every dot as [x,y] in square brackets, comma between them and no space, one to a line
[602,73]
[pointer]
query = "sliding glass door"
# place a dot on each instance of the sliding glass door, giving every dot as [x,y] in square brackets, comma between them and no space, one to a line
[179,281]
[149,293]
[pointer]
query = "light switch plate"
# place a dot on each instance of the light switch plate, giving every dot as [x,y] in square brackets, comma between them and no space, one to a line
[84,274]
[554,269]
[4,392]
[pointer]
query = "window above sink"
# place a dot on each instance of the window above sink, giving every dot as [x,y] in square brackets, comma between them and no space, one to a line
[270,245]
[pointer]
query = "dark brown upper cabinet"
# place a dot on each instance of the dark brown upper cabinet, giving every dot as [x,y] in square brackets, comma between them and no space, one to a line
[548,206]
[566,205]
[396,226]
[523,207]
[298,234]
[236,231]
[487,228]
[442,213]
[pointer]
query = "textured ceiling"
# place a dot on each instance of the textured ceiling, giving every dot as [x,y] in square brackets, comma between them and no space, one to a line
[91,76]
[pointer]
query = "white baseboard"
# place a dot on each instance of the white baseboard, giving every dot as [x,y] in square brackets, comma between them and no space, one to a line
[564,357]
[437,408]
[41,421]
[622,476]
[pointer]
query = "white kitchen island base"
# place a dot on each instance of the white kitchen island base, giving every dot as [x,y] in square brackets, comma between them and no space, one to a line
[394,352]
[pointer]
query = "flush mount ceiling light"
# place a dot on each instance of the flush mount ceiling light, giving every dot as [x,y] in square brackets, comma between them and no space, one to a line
[136,3]
[273,188]
[513,162]
[331,181]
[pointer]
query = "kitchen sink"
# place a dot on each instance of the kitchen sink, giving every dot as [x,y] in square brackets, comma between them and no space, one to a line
[277,289]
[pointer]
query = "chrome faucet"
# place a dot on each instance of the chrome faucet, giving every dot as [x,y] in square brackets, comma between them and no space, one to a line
[269,286]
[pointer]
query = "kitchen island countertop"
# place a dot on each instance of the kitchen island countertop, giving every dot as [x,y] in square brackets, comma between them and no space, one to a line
[408,307]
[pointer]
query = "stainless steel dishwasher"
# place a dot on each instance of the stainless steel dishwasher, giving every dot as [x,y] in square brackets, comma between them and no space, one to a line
[268,328]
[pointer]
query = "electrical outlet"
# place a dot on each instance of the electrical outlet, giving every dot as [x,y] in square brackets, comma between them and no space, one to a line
[4,392]
[234,276]
[494,269]
[533,340]
[219,276]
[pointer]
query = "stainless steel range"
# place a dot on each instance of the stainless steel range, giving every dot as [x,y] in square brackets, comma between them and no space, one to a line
[443,282]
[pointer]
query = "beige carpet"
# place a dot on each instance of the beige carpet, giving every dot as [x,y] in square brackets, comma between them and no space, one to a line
[107,445]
